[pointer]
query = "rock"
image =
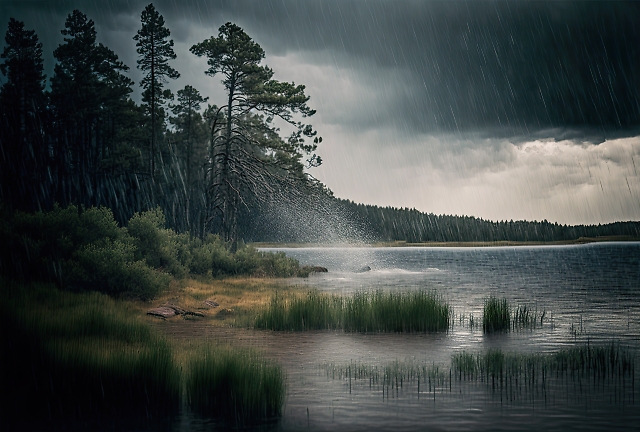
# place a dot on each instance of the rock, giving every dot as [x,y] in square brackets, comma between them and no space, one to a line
[177,309]
[198,314]
[211,303]
[315,269]
[363,269]
[162,312]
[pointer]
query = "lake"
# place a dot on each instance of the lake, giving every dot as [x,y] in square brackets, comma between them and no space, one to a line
[590,294]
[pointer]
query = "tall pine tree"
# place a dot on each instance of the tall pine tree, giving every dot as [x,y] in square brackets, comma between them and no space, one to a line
[22,107]
[155,50]
[190,132]
[247,152]
[88,90]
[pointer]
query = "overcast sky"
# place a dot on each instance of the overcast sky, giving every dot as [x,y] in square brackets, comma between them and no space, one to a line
[500,110]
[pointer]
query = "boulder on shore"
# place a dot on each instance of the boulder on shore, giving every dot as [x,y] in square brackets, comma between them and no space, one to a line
[162,312]
[316,269]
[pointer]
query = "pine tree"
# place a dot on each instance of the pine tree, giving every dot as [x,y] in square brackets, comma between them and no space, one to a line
[22,103]
[246,150]
[155,50]
[189,125]
[88,90]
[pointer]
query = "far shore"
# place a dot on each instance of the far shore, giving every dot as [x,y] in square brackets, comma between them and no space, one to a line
[581,240]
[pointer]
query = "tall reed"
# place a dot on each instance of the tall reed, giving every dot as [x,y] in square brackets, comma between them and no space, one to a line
[496,315]
[237,385]
[378,311]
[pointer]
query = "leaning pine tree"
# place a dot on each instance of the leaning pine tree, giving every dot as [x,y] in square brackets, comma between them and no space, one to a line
[248,159]
[155,50]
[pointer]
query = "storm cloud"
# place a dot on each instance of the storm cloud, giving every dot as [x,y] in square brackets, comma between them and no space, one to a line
[490,108]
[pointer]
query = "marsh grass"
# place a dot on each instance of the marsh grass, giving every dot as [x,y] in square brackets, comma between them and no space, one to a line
[583,374]
[496,315]
[499,316]
[237,385]
[393,376]
[604,368]
[69,355]
[378,311]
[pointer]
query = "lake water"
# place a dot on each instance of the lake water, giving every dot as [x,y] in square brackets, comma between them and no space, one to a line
[591,294]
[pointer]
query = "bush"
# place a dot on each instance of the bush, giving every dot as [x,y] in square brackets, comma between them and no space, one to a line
[159,247]
[86,250]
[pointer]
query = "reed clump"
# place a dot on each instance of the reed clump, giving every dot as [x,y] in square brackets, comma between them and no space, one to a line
[498,315]
[237,385]
[377,311]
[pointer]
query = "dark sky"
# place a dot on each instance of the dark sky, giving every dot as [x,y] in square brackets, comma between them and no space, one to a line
[496,109]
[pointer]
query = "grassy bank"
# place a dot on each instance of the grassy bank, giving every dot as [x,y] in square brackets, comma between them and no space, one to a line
[378,311]
[76,355]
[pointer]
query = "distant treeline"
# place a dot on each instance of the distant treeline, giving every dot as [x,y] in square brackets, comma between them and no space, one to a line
[413,226]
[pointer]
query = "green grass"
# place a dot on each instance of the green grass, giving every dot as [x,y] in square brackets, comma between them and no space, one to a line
[499,316]
[392,374]
[587,362]
[378,311]
[237,385]
[605,373]
[496,315]
[76,355]
[69,355]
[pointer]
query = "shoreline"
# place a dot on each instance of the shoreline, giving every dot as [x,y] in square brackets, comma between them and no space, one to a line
[578,241]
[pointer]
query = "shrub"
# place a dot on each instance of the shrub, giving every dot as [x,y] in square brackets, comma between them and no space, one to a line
[159,247]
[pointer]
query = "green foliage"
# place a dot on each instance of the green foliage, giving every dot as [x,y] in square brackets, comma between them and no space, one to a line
[420,311]
[159,247]
[68,355]
[88,251]
[82,251]
[234,384]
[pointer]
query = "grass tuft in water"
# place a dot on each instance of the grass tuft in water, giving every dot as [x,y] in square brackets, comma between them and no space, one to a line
[378,311]
[496,315]
[237,385]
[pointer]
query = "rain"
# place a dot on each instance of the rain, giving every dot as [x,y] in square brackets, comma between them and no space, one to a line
[338,199]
